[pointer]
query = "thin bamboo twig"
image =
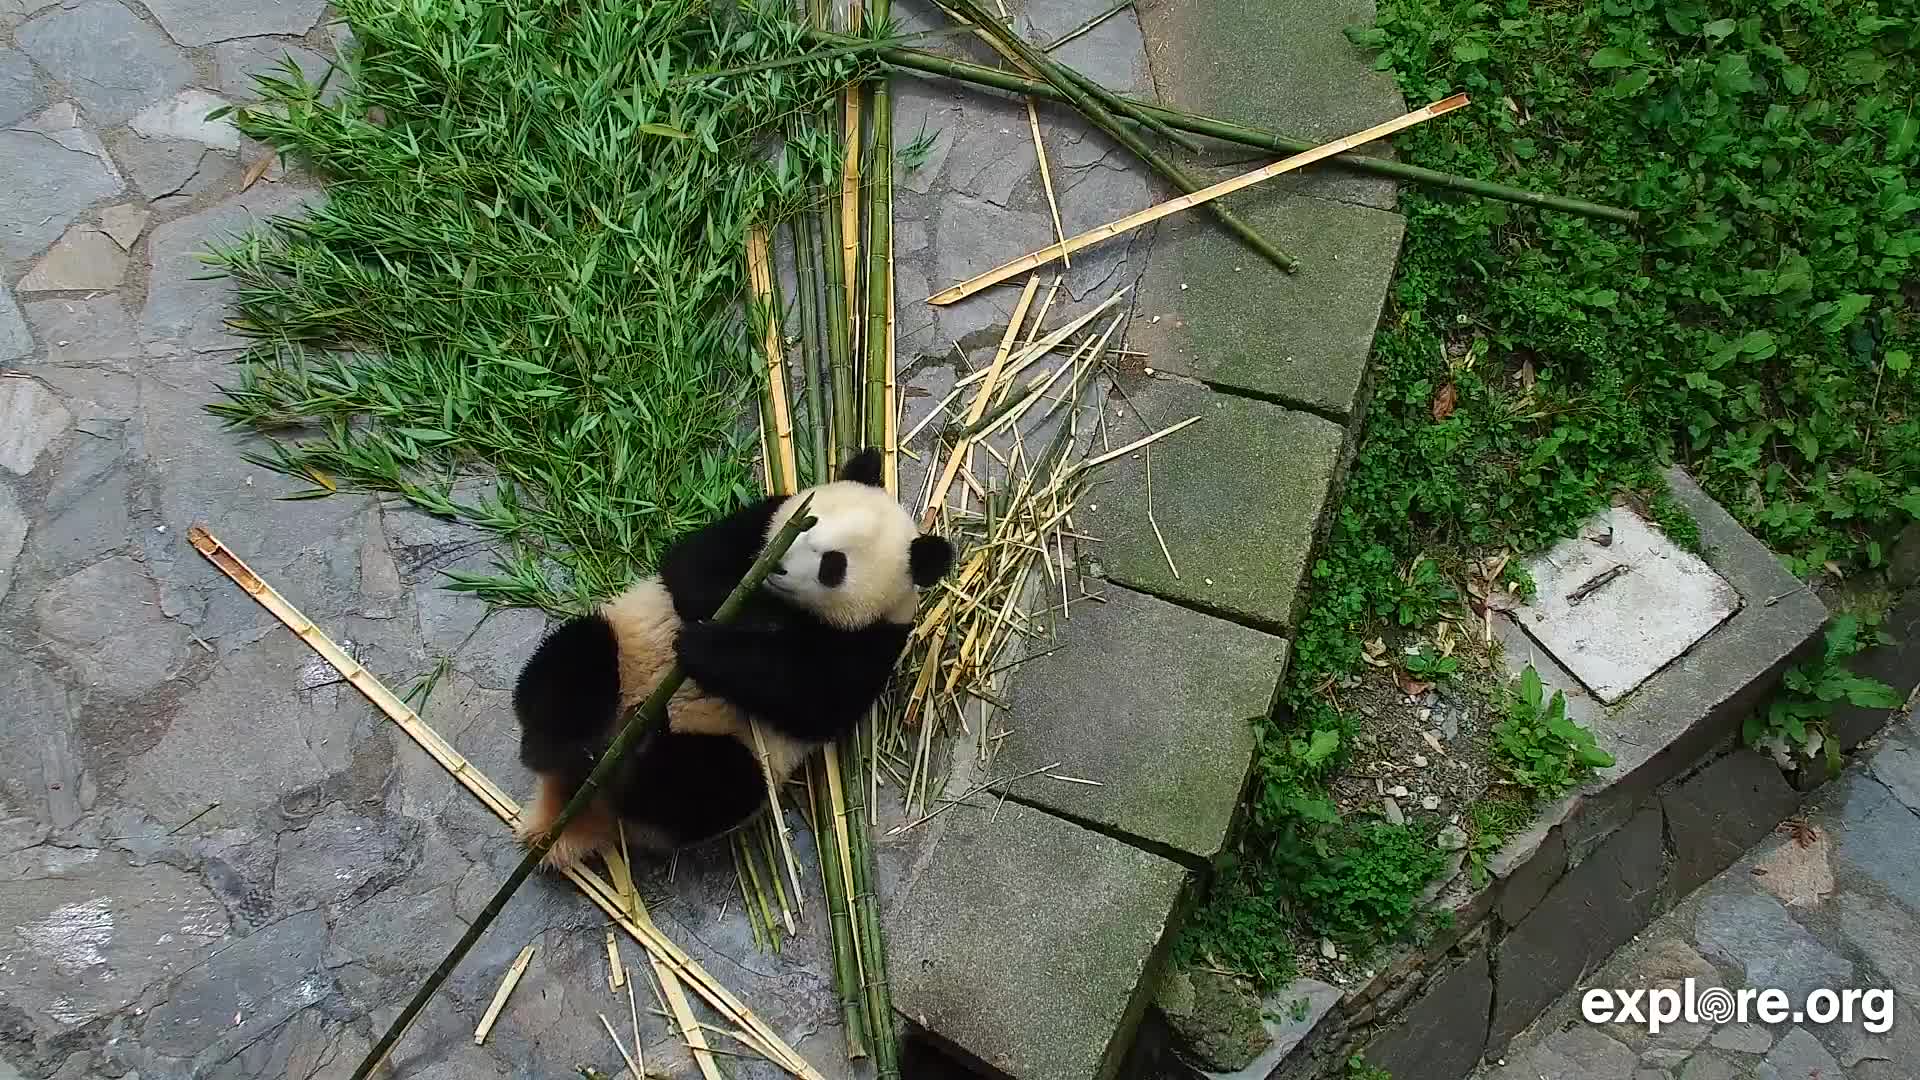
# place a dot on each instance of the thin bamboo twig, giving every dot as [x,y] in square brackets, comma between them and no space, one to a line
[1200,197]
[632,1066]
[645,717]
[933,64]
[507,983]
[1086,26]
[1102,115]
[633,1012]
[1046,183]
[1040,154]
[979,405]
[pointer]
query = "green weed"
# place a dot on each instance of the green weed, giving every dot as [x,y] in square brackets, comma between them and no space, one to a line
[1758,328]
[1538,748]
[1358,1069]
[528,273]
[1496,818]
[1430,667]
[1795,726]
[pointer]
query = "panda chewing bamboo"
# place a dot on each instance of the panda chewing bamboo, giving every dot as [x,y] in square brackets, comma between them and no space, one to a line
[807,657]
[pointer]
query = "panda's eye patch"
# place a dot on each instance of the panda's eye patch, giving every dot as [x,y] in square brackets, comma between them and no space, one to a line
[833,568]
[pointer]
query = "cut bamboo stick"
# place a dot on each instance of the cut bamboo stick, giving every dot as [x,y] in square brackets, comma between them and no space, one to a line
[1198,198]
[665,954]
[632,1066]
[979,405]
[507,983]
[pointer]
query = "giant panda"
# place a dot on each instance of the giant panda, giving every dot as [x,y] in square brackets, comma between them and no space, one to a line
[807,657]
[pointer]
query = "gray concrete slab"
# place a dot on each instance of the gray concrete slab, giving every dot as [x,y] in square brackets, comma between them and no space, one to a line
[1284,67]
[1024,941]
[1239,497]
[1228,317]
[1152,702]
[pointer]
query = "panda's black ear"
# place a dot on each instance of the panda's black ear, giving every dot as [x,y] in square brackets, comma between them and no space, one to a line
[865,467]
[929,559]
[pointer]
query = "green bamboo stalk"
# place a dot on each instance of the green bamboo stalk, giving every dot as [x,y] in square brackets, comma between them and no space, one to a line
[839,347]
[866,906]
[759,889]
[812,341]
[1261,139]
[846,968]
[1052,69]
[746,893]
[1110,124]
[879,258]
[647,716]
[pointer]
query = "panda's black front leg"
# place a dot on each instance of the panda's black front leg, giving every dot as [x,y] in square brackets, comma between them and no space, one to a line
[751,665]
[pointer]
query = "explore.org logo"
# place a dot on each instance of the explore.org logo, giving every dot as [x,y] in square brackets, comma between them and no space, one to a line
[1871,1009]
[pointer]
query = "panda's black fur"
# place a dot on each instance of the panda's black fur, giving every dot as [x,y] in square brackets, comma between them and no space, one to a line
[807,657]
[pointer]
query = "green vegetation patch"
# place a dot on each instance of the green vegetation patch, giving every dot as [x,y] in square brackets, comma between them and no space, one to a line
[1759,326]
[528,268]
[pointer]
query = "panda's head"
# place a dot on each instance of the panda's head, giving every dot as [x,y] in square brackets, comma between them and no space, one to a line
[864,560]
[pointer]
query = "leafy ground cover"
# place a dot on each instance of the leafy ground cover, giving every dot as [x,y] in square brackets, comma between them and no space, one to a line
[1759,326]
[529,269]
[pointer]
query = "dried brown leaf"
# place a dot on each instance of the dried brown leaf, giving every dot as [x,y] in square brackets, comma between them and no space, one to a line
[1444,401]
[257,170]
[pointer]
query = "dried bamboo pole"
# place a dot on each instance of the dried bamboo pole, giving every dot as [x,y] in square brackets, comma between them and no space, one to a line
[500,994]
[1259,138]
[1196,198]
[1098,113]
[649,715]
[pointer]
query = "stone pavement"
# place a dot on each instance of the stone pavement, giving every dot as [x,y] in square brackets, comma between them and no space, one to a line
[219,862]
[1831,902]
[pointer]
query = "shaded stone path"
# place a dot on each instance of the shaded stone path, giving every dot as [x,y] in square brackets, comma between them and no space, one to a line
[217,861]
[1831,902]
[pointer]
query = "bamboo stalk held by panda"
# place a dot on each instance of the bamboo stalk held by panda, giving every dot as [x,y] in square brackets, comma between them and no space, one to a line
[1197,198]
[650,714]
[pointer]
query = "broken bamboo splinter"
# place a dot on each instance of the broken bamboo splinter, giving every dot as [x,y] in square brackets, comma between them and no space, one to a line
[1205,195]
